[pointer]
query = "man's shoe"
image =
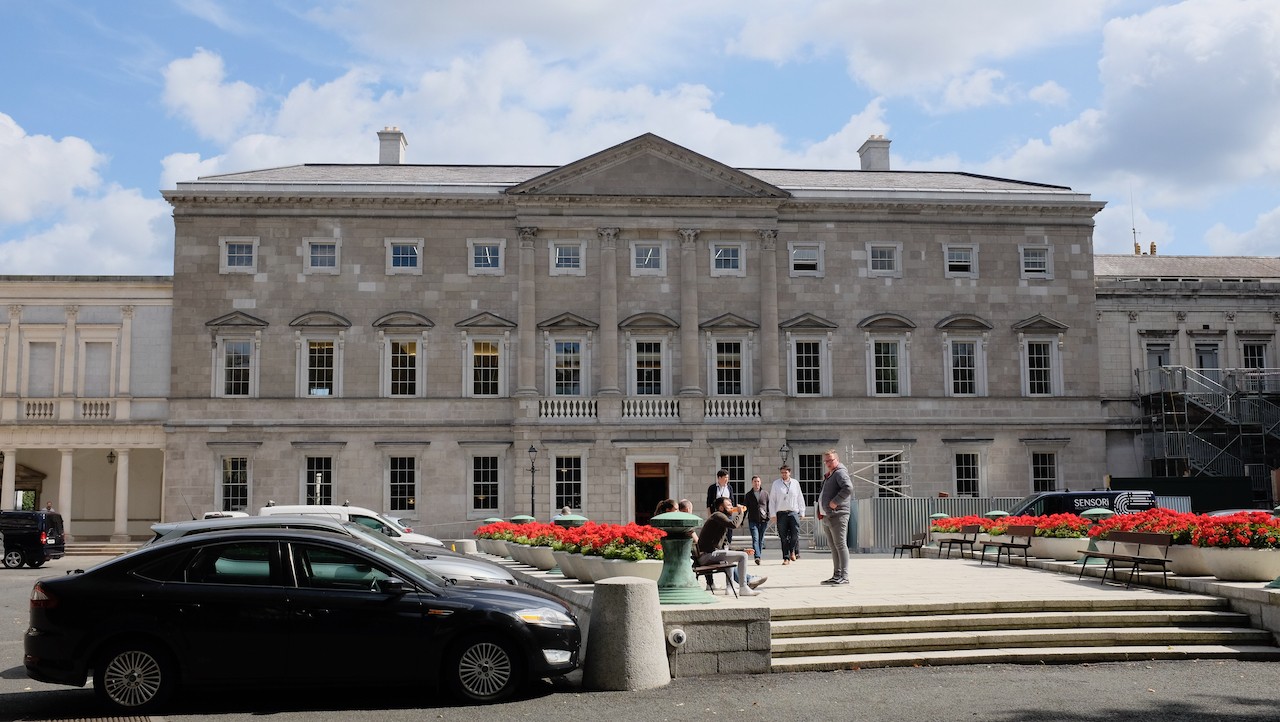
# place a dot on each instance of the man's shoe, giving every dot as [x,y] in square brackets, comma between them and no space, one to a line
[757,560]
[786,562]
[844,580]
[748,593]
[795,556]
[832,580]
[757,582]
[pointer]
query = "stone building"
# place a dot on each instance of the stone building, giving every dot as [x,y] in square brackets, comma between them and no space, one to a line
[460,342]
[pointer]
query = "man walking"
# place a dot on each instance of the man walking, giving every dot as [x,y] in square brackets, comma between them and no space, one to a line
[757,503]
[721,490]
[834,504]
[786,505]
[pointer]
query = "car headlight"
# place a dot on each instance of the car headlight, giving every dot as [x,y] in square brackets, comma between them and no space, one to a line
[545,617]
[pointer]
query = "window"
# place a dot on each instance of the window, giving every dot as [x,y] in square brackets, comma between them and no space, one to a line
[235,368]
[403,483]
[1037,262]
[883,259]
[1044,471]
[648,258]
[886,367]
[329,568]
[806,259]
[811,470]
[567,258]
[727,259]
[568,490]
[807,363]
[736,465]
[404,369]
[728,368]
[568,369]
[889,475]
[322,255]
[961,261]
[487,257]
[486,373]
[484,483]
[966,368]
[234,487]
[966,471]
[404,256]
[648,378]
[1039,368]
[239,254]
[319,480]
[1254,356]
[320,368]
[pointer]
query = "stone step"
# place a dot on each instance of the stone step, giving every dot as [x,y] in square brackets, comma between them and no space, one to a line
[99,548]
[1025,655]
[1171,600]
[1013,638]
[793,628]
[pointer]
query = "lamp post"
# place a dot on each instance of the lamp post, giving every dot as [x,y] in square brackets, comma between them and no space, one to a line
[533,478]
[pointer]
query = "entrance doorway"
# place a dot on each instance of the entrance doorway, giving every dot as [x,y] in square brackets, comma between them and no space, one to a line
[652,486]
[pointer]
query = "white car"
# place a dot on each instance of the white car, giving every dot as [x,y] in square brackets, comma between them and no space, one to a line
[357,514]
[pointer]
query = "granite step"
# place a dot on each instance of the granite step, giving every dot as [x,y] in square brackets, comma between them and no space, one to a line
[1024,655]
[832,626]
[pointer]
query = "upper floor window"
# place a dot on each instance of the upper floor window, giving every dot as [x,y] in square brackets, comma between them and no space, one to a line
[236,368]
[648,258]
[486,368]
[568,368]
[1037,261]
[321,371]
[806,259]
[810,358]
[239,254]
[487,256]
[729,367]
[404,256]
[404,369]
[884,259]
[727,259]
[966,368]
[961,261]
[1040,367]
[649,377]
[888,366]
[323,255]
[568,258]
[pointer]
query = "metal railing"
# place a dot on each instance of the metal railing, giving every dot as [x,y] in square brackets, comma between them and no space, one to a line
[1199,453]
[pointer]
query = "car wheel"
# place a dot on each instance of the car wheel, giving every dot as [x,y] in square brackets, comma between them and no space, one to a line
[13,558]
[134,677]
[35,563]
[484,669]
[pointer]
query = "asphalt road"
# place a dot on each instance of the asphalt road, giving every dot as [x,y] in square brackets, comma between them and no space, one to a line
[1165,691]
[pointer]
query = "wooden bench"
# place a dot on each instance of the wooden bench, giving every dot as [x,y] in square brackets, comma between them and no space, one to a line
[1151,549]
[709,571]
[1015,533]
[969,537]
[912,547]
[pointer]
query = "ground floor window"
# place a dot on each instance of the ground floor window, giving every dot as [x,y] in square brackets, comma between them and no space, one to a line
[967,474]
[484,483]
[319,480]
[404,483]
[568,482]
[235,483]
[736,465]
[810,470]
[1044,471]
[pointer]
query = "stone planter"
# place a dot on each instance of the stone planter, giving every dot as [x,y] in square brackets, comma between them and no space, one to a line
[645,568]
[1063,549]
[499,548]
[540,557]
[567,563]
[1188,561]
[588,567]
[1242,565]
[519,553]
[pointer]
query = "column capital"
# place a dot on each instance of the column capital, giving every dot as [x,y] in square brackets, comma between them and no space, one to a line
[768,238]
[608,237]
[126,311]
[688,238]
[528,234]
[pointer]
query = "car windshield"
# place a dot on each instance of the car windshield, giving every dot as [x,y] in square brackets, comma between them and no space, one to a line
[394,557]
[382,541]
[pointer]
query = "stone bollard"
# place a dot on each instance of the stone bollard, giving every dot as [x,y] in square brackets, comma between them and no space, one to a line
[463,546]
[626,649]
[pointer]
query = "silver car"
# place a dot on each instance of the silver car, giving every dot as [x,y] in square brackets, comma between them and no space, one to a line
[451,565]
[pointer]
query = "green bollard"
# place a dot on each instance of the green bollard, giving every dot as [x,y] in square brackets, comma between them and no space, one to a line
[1095,516]
[677,583]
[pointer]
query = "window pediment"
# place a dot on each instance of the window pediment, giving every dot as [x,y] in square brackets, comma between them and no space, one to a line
[807,321]
[485,320]
[236,319]
[320,319]
[963,322]
[404,319]
[648,320]
[1040,323]
[567,321]
[728,322]
[886,322]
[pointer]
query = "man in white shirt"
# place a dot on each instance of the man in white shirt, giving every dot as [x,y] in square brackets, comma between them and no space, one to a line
[786,504]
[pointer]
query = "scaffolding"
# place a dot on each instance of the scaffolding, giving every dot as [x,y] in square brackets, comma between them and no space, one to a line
[886,469]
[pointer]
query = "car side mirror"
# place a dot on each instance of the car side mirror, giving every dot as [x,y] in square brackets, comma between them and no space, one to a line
[392,586]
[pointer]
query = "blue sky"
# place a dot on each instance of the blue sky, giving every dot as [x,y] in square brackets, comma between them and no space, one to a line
[1171,105]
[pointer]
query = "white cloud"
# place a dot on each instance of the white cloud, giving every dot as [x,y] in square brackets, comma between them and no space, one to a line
[194,89]
[974,90]
[1261,240]
[1049,93]
[41,173]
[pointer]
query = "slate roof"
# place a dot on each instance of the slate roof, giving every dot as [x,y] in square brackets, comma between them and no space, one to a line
[1205,268]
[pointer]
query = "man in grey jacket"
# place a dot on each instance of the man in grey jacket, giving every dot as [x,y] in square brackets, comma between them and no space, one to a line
[834,504]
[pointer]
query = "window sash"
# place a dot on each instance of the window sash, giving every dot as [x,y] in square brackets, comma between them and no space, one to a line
[403,491]
[404,255]
[237,369]
[648,257]
[1044,471]
[648,368]
[484,483]
[736,465]
[1035,260]
[486,255]
[964,368]
[966,466]
[404,368]
[728,258]
[884,259]
[320,368]
[568,257]
[235,483]
[484,368]
[889,473]
[810,471]
[568,368]
[808,368]
[323,255]
[568,491]
[886,367]
[1039,368]
[804,259]
[239,255]
[729,368]
[319,481]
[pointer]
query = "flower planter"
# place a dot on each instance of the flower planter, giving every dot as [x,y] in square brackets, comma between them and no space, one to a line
[1064,549]
[540,557]
[499,547]
[588,567]
[644,568]
[1242,564]
[567,563]
[1188,561]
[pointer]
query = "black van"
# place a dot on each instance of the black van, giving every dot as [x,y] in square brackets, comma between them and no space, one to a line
[31,537]
[1073,502]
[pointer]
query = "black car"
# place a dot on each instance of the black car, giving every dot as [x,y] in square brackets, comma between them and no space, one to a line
[1046,503]
[31,537]
[287,607]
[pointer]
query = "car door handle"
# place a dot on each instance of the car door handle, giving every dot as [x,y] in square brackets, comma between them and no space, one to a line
[313,612]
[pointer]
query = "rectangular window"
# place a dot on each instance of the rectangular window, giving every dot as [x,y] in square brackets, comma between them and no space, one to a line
[319,480]
[568,369]
[889,473]
[404,483]
[736,465]
[404,255]
[1044,471]
[404,368]
[647,259]
[484,483]
[1039,368]
[964,368]
[568,258]
[237,371]
[729,368]
[886,368]
[1254,355]
[486,256]
[484,368]
[960,262]
[42,369]
[239,254]
[322,254]
[806,259]
[808,368]
[967,474]
[648,368]
[727,260]
[811,470]
[1036,262]
[883,260]
[320,368]
[235,483]
[568,482]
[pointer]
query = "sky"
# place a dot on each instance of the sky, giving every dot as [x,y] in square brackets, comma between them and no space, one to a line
[1167,111]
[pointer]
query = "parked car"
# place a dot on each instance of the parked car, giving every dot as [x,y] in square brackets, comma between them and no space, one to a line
[1045,503]
[451,565]
[31,537]
[1232,512]
[360,515]
[286,607]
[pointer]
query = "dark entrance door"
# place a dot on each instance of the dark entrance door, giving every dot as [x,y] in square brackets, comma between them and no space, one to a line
[651,488]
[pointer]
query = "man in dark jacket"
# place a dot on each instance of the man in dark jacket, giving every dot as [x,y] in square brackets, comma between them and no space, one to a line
[721,490]
[711,538]
[835,505]
[757,502]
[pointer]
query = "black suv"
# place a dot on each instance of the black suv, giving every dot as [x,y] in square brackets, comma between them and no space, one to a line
[31,537]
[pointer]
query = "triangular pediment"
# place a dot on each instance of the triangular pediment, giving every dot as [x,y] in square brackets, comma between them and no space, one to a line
[807,321]
[320,319]
[567,321]
[485,320]
[728,321]
[236,319]
[649,166]
[964,322]
[1040,323]
[404,319]
[887,322]
[649,320]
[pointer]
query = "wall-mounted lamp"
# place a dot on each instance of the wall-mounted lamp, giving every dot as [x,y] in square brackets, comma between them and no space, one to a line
[111,456]
[784,451]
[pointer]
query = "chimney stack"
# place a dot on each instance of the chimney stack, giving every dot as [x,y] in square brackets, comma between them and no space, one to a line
[875,153]
[1153,248]
[391,145]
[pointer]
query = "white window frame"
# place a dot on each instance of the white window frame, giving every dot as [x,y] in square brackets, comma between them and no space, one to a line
[219,390]
[32,335]
[661,246]
[553,471]
[473,269]
[469,366]
[903,342]
[553,249]
[740,270]
[109,336]
[713,370]
[420,372]
[819,248]
[664,357]
[584,368]
[895,252]
[979,361]
[502,473]
[1055,358]
[401,453]
[946,260]
[1036,274]
[220,499]
[824,361]
[225,267]
[394,270]
[307,268]
[1053,447]
[304,364]
[306,477]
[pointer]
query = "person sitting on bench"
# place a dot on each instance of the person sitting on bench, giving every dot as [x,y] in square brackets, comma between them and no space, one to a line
[711,538]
